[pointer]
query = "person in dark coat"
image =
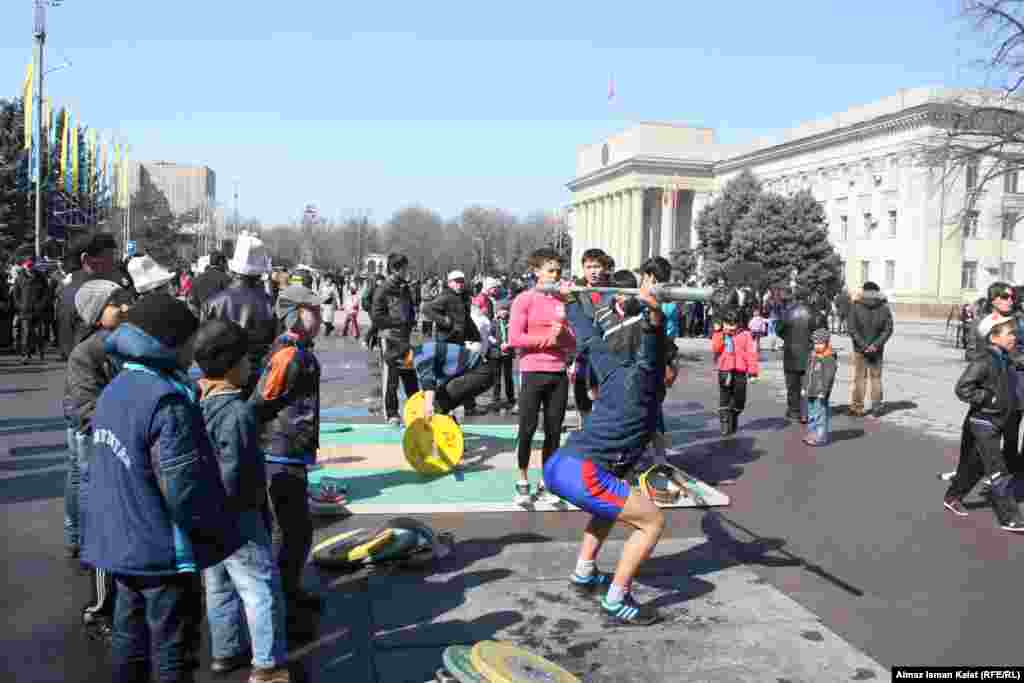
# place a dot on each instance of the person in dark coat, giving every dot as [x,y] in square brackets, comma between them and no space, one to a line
[798,321]
[212,280]
[450,312]
[89,257]
[870,325]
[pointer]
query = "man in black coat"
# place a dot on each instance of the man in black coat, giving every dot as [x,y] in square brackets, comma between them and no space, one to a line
[870,325]
[89,257]
[794,328]
[450,312]
[212,280]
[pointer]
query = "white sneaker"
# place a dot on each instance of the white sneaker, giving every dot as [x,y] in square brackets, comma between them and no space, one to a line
[523,495]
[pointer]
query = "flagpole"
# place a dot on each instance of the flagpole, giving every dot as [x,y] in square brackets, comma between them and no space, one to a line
[40,36]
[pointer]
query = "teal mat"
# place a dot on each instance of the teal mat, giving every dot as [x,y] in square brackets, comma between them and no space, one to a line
[339,434]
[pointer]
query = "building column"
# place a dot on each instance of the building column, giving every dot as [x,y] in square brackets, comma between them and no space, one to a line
[636,227]
[622,227]
[700,200]
[668,224]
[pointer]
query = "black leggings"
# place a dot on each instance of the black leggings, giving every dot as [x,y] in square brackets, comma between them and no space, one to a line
[547,390]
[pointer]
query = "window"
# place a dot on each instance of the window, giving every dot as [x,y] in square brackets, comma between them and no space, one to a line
[890,274]
[844,228]
[865,271]
[1009,226]
[969,275]
[892,222]
[869,223]
[1006,272]
[971,224]
[1010,183]
[972,175]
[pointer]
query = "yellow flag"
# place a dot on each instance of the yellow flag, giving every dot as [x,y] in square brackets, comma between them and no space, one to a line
[74,159]
[27,92]
[115,187]
[91,165]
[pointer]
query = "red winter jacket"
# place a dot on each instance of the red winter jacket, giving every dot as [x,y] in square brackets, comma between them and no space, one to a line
[743,357]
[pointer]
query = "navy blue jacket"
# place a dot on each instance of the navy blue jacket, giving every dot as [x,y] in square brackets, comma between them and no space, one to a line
[156,505]
[235,435]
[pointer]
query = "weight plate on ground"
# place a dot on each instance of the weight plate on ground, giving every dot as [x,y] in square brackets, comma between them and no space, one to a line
[458,660]
[505,663]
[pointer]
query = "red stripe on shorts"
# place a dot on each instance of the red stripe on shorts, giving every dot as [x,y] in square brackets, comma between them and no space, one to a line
[591,479]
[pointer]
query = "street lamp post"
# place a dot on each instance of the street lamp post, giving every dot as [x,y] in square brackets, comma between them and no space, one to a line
[39,32]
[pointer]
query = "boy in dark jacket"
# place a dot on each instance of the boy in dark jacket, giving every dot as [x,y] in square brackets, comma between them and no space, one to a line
[156,512]
[101,305]
[287,403]
[248,578]
[450,312]
[393,318]
[985,387]
[818,381]
[33,299]
[503,358]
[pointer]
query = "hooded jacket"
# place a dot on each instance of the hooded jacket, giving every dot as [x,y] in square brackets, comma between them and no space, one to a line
[235,435]
[821,374]
[287,403]
[156,504]
[207,284]
[870,322]
[90,368]
[795,328]
[450,313]
[393,316]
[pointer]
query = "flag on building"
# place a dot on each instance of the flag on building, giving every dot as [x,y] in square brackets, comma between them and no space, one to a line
[115,179]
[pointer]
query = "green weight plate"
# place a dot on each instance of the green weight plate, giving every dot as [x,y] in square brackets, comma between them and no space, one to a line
[459,663]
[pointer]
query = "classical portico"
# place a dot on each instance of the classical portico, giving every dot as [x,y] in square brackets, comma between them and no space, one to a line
[638,194]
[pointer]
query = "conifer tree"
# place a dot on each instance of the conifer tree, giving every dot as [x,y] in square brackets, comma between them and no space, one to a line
[716,223]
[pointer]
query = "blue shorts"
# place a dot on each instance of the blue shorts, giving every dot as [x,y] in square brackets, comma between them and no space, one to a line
[586,485]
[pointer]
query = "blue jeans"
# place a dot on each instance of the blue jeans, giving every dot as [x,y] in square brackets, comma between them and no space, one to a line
[819,421]
[248,579]
[79,447]
[155,620]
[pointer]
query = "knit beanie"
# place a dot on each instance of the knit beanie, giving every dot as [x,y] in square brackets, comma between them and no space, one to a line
[820,336]
[92,297]
[164,318]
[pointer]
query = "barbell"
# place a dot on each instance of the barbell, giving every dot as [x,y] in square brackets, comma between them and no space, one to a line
[667,291]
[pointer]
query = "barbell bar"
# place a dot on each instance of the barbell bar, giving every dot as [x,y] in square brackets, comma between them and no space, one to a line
[662,292]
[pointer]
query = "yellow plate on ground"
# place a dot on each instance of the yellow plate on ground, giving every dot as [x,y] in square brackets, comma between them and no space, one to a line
[506,663]
[413,408]
[435,448]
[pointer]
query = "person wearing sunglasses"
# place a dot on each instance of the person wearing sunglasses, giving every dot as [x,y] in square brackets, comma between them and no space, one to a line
[870,326]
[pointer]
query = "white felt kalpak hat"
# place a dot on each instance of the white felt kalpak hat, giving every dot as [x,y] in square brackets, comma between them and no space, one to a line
[250,257]
[147,274]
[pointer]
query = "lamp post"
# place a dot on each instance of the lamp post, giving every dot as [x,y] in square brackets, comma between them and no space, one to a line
[39,34]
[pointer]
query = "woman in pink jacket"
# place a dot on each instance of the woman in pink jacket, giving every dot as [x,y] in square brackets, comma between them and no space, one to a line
[736,360]
[546,345]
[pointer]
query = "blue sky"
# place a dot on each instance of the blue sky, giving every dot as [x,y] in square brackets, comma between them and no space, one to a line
[379,105]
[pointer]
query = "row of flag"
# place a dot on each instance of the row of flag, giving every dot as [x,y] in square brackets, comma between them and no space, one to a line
[81,162]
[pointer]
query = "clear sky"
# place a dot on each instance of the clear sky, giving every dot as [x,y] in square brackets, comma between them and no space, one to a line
[446,104]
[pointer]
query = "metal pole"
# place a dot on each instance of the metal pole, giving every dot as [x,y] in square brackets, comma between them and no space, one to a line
[40,36]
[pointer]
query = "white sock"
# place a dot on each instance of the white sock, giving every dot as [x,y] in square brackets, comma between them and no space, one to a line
[523,482]
[585,568]
[616,594]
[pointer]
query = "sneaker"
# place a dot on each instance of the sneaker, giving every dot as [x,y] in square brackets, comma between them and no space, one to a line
[596,587]
[955,506]
[394,422]
[544,495]
[276,675]
[946,476]
[628,613]
[1013,525]
[99,629]
[228,664]
[523,496]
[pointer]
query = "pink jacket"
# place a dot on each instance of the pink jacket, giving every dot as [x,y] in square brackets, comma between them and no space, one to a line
[532,316]
[743,357]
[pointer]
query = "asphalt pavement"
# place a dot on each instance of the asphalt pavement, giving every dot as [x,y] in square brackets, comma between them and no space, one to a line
[831,563]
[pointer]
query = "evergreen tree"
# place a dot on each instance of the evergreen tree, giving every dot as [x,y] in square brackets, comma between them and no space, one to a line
[16,217]
[817,264]
[716,223]
[153,226]
[684,264]
[763,237]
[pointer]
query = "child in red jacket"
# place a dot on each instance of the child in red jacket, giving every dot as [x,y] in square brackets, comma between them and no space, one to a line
[735,359]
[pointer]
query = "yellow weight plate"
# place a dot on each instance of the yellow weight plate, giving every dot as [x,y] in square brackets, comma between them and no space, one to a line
[506,663]
[413,408]
[435,448]
[363,551]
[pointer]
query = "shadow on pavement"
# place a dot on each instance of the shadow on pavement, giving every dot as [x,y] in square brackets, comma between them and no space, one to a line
[716,461]
[22,425]
[26,390]
[21,465]
[846,434]
[27,487]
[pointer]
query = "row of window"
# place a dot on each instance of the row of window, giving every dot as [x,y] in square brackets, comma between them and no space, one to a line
[969,273]
[869,224]
[1010,185]
[889,279]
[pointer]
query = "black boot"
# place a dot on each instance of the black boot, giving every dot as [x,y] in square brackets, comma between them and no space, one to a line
[725,417]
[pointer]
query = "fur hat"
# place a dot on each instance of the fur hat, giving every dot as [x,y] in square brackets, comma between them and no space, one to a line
[820,336]
[92,297]
[164,318]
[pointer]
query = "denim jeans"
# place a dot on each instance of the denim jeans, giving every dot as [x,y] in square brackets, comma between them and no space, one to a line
[154,621]
[819,420]
[293,525]
[79,448]
[248,579]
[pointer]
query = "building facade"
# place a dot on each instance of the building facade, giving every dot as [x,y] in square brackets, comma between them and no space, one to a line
[891,219]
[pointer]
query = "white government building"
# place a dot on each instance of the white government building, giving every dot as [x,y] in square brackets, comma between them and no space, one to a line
[638,193]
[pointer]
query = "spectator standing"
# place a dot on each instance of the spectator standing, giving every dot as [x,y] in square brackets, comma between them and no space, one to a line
[818,382]
[208,283]
[351,311]
[148,276]
[32,299]
[330,296]
[794,328]
[393,318]
[89,257]
[504,360]
[870,325]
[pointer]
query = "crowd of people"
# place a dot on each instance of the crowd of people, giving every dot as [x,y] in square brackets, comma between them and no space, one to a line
[184,493]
